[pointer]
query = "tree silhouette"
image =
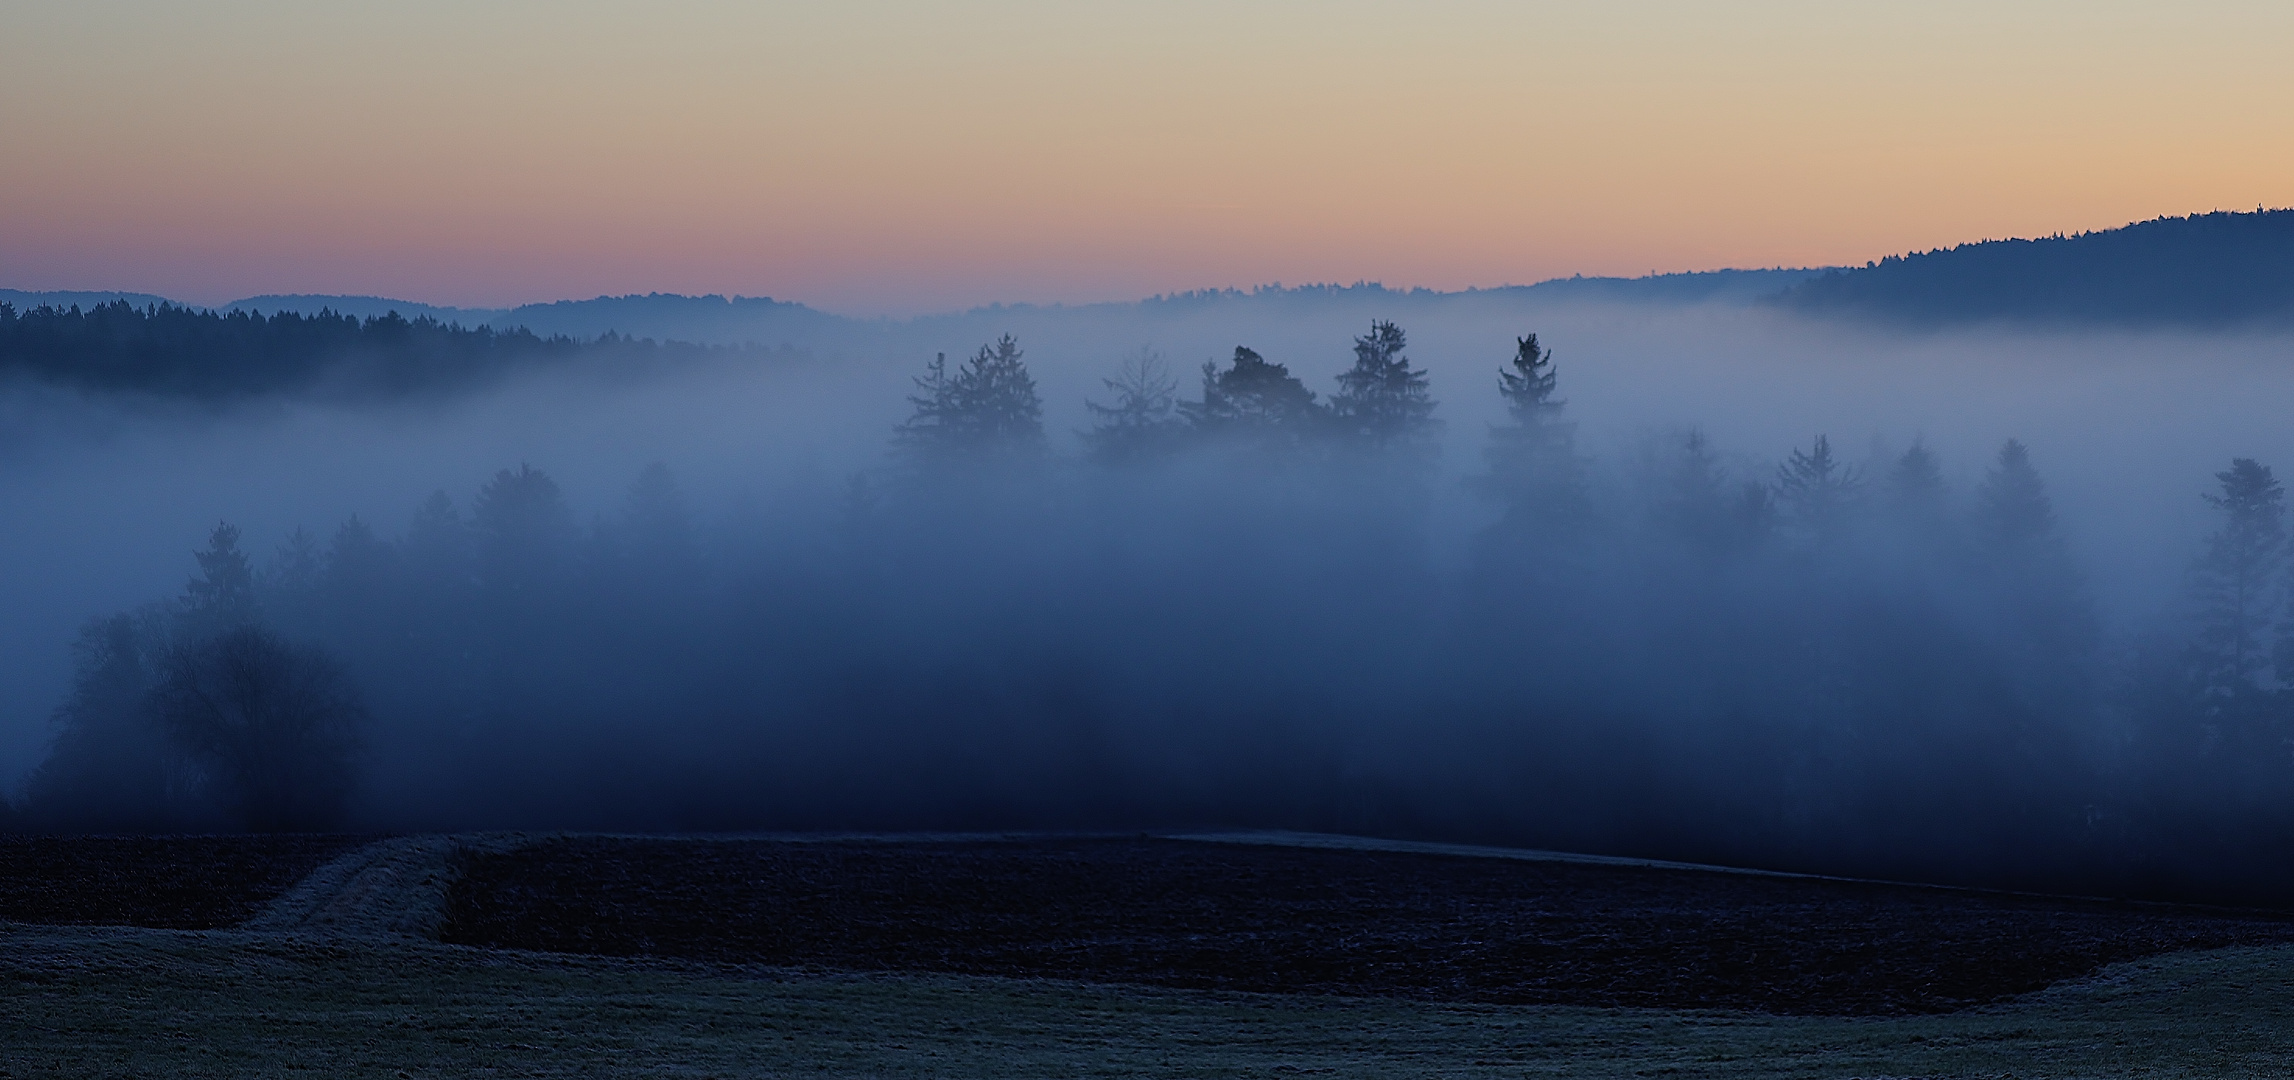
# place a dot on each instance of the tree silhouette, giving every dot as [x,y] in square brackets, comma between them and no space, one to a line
[274,726]
[1382,403]
[1144,420]
[1534,472]
[2029,580]
[653,548]
[1254,400]
[2234,578]
[985,410]
[223,595]
[173,351]
[2205,269]
[1814,490]
[524,531]
[2013,514]
[1915,487]
[112,768]
[1923,533]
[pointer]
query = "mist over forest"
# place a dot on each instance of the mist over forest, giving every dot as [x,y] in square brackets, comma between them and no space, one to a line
[1690,577]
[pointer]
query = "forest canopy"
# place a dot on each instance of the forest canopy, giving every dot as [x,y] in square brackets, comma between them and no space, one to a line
[171,351]
[2201,270]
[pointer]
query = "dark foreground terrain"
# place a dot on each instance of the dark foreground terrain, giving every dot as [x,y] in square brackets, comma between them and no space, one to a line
[165,882]
[1278,919]
[871,942]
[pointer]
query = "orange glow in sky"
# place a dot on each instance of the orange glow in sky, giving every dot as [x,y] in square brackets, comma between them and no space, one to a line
[878,157]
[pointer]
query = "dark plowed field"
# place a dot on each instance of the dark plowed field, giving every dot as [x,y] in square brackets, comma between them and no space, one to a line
[170,882]
[1277,919]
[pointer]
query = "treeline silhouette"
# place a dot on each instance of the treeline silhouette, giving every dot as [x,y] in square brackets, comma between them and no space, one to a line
[1233,610]
[2203,270]
[170,351]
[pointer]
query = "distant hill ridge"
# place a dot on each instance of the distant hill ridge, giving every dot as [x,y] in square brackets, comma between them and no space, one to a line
[718,319]
[2210,270]
[2206,270]
[1693,287]
[167,350]
[736,320]
[662,316]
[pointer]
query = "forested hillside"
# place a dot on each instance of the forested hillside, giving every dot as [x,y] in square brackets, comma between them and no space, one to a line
[2213,269]
[170,351]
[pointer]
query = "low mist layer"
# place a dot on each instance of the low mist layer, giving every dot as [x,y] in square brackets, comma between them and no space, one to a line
[1706,584]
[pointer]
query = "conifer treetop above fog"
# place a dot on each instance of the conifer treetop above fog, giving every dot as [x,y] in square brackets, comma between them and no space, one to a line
[2211,271]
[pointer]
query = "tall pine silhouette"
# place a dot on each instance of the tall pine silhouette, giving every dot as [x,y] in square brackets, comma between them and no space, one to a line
[1534,473]
[1383,404]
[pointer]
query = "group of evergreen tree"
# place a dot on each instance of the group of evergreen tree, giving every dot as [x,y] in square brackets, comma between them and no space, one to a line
[987,410]
[194,714]
[1382,405]
[170,351]
[1226,614]
[2213,709]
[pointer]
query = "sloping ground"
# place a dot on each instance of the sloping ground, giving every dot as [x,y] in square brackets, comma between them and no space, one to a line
[142,1003]
[389,888]
[1290,920]
[177,882]
[334,979]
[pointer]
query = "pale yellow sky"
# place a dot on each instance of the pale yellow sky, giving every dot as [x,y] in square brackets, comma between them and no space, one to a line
[899,157]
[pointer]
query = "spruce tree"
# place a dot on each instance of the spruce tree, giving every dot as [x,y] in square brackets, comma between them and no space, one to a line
[2013,513]
[1917,504]
[1383,404]
[2236,579]
[364,599]
[2030,582]
[223,595]
[984,411]
[524,529]
[1916,489]
[1815,490]
[1534,472]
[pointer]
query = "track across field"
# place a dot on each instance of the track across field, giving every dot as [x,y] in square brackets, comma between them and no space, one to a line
[1290,919]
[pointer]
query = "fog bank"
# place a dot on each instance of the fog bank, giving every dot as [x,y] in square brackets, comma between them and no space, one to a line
[815,634]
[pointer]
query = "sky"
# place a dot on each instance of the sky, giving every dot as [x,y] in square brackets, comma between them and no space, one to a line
[871,157]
